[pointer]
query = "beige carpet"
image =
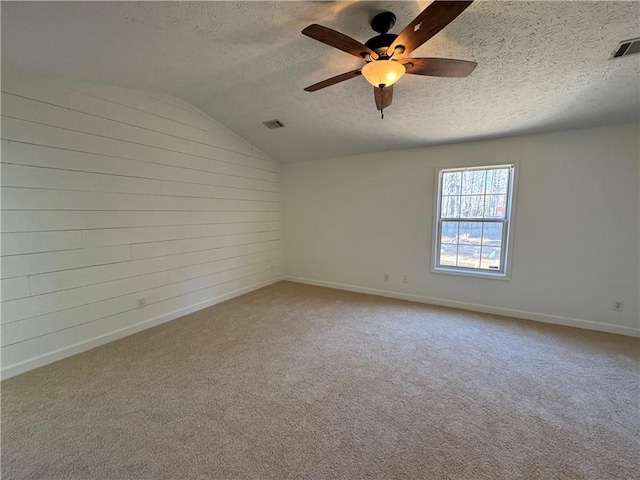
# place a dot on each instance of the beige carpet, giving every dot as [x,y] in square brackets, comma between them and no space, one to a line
[294,381]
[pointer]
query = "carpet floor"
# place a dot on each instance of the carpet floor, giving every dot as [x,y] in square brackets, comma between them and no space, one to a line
[295,381]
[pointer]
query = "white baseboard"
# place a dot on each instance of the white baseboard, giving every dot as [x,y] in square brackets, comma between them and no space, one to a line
[538,317]
[50,357]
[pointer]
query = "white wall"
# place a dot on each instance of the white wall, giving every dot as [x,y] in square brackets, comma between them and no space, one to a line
[112,195]
[349,220]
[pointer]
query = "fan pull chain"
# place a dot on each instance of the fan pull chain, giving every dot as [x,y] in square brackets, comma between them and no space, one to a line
[382,114]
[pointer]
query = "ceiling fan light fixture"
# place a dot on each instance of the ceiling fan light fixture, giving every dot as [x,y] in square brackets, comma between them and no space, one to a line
[383,72]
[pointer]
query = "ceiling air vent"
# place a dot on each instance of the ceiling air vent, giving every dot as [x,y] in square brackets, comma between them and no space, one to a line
[628,47]
[271,124]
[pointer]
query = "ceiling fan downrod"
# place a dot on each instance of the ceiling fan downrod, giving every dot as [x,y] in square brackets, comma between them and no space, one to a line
[382,23]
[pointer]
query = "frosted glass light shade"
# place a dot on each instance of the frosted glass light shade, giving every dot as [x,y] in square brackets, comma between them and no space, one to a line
[383,72]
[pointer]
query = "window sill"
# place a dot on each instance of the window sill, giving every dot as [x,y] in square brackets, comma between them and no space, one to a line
[469,273]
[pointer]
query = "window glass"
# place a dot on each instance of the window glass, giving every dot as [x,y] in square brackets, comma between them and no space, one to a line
[473,219]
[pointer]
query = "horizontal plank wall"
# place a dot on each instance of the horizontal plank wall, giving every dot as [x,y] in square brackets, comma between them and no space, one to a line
[122,209]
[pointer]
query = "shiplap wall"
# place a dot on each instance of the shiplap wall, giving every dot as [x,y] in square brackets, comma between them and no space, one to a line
[110,196]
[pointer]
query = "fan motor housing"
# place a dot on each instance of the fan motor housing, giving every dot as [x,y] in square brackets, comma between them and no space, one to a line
[380,43]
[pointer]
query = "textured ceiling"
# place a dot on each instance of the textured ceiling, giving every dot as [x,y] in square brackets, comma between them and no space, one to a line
[542,66]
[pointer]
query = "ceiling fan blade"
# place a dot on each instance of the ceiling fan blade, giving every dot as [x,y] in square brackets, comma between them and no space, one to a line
[438,67]
[383,96]
[339,41]
[333,80]
[432,19]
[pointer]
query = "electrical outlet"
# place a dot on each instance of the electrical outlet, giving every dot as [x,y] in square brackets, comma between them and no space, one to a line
[142,302]
[405,279]
[617,305]
[385,277]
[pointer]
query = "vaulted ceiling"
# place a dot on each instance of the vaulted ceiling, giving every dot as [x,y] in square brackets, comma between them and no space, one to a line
[542,66]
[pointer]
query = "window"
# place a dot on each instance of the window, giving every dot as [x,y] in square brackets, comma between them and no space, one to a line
[473,220]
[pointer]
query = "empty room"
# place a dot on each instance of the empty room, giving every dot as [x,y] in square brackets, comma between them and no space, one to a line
[320,240]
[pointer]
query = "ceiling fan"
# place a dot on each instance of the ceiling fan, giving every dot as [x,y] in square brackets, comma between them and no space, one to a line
[385,53]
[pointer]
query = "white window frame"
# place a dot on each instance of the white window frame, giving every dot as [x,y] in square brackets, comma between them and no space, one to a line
[507,232]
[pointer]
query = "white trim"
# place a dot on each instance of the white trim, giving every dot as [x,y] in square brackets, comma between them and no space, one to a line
[50,357]
[507,312]
[470,273]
